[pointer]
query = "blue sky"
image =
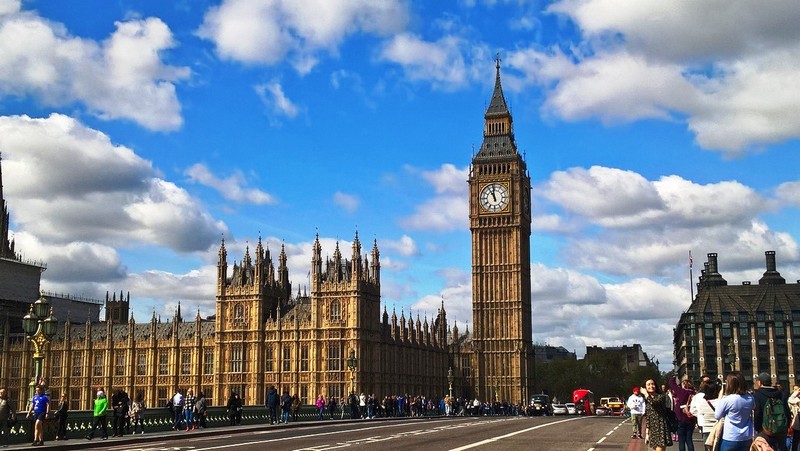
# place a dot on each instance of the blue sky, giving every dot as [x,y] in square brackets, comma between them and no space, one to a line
[135,135]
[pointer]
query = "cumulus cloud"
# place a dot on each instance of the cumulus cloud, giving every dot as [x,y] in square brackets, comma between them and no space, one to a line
[449,208]
[348,202]
[443,63]
[405,246]
[123,77]
[724,68]
[71,184]
[231,188]
[266,32]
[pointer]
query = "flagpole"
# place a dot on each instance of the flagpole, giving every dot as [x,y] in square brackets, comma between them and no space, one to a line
[691,279]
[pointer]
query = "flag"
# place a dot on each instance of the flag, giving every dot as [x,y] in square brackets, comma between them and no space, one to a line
[690,259]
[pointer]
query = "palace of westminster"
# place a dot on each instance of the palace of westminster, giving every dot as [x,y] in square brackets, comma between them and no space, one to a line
[336,338]
[330,341]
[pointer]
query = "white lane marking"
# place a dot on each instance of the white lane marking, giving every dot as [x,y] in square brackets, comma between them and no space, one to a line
[494,439]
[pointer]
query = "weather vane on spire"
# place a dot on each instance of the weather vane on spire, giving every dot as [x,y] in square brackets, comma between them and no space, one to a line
[497,59]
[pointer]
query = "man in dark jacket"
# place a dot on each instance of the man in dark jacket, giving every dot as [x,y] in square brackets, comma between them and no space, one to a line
[763,393]
[271,403]
[119,402]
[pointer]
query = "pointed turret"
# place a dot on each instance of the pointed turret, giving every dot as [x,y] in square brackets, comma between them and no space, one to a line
[498,130]
[356,258]
[222,269]
[316,261]
[6,245]
[376,263]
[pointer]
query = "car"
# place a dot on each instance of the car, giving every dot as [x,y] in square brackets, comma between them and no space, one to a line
[540,405]
[571,409]
[559,409]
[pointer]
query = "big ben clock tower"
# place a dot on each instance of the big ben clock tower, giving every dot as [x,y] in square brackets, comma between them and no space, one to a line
[500,222]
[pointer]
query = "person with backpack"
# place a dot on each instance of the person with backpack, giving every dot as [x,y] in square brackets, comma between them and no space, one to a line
[771,413]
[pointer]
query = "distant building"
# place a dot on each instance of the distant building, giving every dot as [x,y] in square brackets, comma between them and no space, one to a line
[748,328]
[632,357]
[547,353]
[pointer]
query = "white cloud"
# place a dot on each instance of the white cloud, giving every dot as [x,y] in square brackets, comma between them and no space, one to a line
[123,77]
[273,97]
[405,246]
[789,192]
[449,208]
[265,32]
[726,67]
[231,187]
[348,202]
[70,184]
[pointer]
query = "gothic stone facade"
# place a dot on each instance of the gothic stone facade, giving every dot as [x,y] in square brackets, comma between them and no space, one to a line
[260,336]
[752,328]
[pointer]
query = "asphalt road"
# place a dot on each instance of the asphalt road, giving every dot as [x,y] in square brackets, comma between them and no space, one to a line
[454,434]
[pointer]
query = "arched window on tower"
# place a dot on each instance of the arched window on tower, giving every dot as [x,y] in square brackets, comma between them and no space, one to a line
[336,311]
[238,314]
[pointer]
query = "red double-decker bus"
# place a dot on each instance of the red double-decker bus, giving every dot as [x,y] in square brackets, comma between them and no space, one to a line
[584,401]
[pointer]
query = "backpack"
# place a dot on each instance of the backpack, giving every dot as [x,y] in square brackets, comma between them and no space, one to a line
[775,421]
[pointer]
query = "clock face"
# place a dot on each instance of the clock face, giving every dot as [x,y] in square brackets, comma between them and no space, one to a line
[494,197]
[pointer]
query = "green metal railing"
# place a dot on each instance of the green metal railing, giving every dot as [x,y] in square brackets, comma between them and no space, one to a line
[79,422]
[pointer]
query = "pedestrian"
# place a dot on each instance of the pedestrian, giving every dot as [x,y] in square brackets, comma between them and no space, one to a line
[320,406]
[295,406]
[201,409]
[703,405]
[778,413]
[636,405]
[684,392]
[231,407]
[271,403]
[736,407]
[100,408]
[189,402]
[8,417]
[332,406]
[60,414]
[656,407]
[119,402]
[177,410]
[286,406]
[138,408]
[362,406]
[794,404]
[40,405]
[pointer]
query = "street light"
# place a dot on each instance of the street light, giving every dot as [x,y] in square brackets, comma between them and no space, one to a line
[450,380]
[39,329]
[351,364]
[730,356]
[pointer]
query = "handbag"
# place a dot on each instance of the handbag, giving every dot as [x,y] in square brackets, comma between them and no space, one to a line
[714,438]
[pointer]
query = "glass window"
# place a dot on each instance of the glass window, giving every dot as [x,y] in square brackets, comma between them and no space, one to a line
[287,358]
[119,363]
[161,393]
[779,329]
[761,315]
[98,364]
[334,357]
[56,364]
[304,358]
[269,358]
[186,362]
[708,330]
[761,329]
[77,364]
[16,365]
[336,311]
[163,364]
[237,359]
[141,364]
[208,362]
[744,330]
[726,330]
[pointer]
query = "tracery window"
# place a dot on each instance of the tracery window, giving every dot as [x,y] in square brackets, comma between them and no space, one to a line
[163,363]
[77,364]
[119,363]
[237,359]
[141,364]
[98,364]
[336,311]
[304,358]
[208,362]
[287,358]
[186,362]
[334,357]
[269,358]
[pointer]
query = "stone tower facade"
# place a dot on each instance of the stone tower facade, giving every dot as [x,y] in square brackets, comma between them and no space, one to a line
[500,222]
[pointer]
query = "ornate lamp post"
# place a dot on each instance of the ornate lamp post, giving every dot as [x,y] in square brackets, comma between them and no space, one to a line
[351,365]
[40,329]
[450,380]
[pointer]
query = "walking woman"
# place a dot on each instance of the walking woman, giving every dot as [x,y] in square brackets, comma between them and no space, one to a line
[137,412]
[736,407]
[320,406]
[658,435]
[61,416]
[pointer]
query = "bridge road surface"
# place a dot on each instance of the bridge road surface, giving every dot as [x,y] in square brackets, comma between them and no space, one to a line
[454,434]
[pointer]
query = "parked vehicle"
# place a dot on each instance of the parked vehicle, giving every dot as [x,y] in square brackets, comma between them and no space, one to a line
[571,409]
[559,409]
